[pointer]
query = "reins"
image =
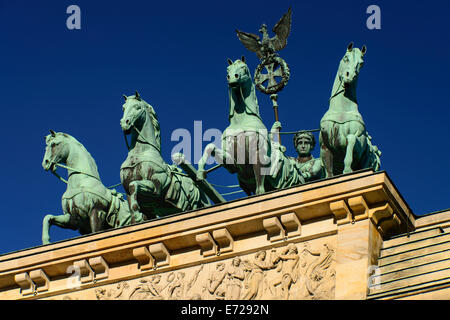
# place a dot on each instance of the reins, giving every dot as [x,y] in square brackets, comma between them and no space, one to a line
[77,171]
[280,132]
[337,93]
[295,132]
[140,135]
[145,140]
[340,83]
[126,140]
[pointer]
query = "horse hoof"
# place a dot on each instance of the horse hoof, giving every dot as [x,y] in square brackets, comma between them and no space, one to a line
[259,191]
[201,175]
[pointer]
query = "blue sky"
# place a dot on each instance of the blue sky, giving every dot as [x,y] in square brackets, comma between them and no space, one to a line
[174,53]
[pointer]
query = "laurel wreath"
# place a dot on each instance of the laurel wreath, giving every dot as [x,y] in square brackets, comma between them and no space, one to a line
[285,75]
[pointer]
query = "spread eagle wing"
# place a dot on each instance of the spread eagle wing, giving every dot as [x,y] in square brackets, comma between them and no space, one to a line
[251,42]
[282,30]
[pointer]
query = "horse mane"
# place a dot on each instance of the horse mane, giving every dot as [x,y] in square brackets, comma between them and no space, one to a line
[254,98]
[152,114]
[79,144]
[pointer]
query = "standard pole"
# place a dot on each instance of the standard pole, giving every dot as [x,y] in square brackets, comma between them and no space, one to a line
[274,98]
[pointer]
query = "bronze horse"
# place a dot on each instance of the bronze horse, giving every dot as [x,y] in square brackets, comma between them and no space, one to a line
[345,145]
[154,188]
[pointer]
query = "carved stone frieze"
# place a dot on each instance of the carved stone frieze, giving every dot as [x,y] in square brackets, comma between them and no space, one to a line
[295,271]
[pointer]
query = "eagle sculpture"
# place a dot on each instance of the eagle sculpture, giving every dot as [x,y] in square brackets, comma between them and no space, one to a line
[268,46]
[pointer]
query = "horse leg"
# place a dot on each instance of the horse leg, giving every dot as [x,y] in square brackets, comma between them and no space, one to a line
[201,174]
[363,150]
[326,155]
[260,146]
[96,220]
[221,157]
[348,160]
[62,221]
[259,179]
[136,215]
[225,159]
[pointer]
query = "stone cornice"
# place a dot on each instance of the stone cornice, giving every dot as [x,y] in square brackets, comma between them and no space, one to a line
[246,225]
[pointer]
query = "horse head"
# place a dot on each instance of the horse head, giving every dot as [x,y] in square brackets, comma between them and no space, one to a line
[351,64]
[136,112]
[56,150]
[133,112]
[238,73]
[241,88]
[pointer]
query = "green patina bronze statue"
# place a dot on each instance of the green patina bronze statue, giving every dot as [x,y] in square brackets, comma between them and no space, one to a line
[87,204]
[245,136]
[154,188]
[247,148]
[266,50]
[311,168]
[345,145]
[268,46]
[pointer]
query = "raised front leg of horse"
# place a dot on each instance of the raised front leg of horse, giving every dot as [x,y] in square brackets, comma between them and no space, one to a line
[221,157]
[62,221]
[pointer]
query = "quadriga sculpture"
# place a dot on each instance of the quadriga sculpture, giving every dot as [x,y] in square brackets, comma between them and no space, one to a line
[154,188]
[345,145]
[87,204]
[247,147]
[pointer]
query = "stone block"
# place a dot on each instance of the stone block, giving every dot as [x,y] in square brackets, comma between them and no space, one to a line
[291,224]
[274,228]
[207,244]
[224,240]
[160,253]
[145,259]
[40,279]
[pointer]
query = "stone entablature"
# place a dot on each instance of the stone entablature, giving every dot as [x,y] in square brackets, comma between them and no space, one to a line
[319,240]
[435,219]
